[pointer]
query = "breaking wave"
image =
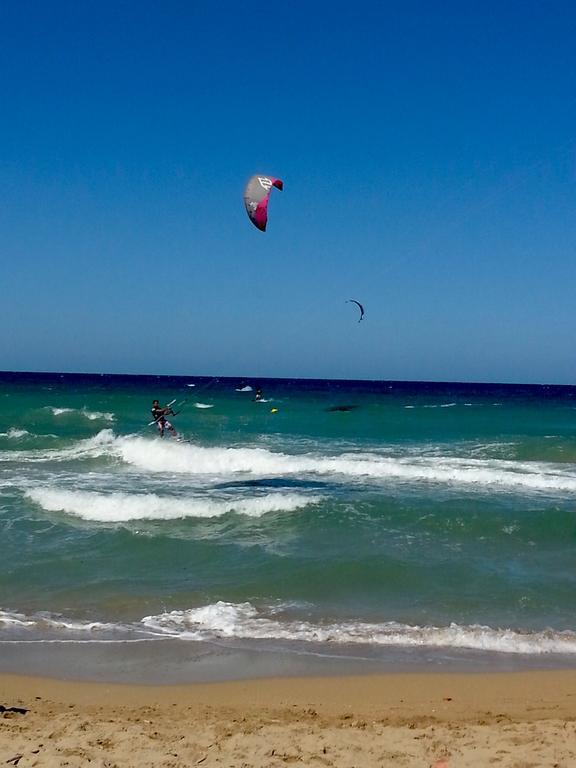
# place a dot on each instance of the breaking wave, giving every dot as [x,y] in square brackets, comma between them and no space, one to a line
[122,507]
[15,434]
[20,434]
[198,460]
[12,619]
[244,621]
[90,415]
[98,445]
[171,457]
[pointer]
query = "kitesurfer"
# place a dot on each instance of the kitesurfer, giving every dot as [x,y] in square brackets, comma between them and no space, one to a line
[258,395]
[159,415]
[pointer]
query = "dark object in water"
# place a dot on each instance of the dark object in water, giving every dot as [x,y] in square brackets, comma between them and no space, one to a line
[341,408]
[17,710]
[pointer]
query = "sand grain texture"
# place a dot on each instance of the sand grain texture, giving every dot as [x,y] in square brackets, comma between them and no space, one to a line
[443,721]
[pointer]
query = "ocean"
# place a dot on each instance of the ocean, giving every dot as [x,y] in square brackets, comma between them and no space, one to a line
[383,521]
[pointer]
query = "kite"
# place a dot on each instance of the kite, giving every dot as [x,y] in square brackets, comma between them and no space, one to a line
[256,197]
[359,306]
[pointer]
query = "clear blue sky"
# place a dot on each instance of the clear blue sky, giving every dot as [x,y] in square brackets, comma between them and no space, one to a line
[428,151]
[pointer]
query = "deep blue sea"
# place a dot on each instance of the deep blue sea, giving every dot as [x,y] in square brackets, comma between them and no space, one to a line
[331,517]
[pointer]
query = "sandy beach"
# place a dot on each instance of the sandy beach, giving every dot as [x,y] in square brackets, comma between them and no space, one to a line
[518,720]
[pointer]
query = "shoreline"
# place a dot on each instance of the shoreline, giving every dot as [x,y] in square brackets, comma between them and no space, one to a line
[170,661]
[448,720]
[440,696]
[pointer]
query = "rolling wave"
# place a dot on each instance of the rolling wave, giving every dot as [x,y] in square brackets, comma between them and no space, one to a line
[84,412]
[243,621]
[122,507]
[15,434]
[98,445]
[168,456]
[43,621]
[198,460]
[19,434]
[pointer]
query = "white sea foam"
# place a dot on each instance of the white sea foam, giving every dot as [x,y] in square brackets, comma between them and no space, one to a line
[434,405]
[11,619]
[121,507]
[90,415]
[46,622]
[14,433]
[247,388]
[244,621]
[197,460]
[22,434]
[97,415]
[203,405]
[167,456]
[101,444]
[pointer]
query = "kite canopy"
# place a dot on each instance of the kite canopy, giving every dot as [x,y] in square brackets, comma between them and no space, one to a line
[360,307]
[256,197]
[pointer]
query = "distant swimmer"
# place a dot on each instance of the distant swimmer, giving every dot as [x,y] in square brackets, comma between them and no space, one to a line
[159,415]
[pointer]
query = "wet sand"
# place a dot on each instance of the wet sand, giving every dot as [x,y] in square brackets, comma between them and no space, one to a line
[515,720]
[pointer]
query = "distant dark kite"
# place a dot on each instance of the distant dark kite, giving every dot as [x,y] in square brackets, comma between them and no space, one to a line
[360,307]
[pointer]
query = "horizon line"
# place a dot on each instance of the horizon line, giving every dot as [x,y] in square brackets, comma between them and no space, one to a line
[289,378]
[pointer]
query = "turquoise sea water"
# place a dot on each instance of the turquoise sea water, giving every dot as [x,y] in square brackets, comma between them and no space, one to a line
[360,518]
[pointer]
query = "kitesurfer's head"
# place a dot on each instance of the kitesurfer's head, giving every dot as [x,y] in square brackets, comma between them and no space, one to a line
[155,402]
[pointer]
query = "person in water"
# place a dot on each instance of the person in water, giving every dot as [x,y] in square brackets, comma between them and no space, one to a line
[159,415]
[258,395]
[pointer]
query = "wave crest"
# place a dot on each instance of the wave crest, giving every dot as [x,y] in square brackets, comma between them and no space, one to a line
[243,621]
[15,434]
[197,460]
[122,507]
[171,457]
[90,415]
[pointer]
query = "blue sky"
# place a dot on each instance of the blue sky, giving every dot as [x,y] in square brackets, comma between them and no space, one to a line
[428,151]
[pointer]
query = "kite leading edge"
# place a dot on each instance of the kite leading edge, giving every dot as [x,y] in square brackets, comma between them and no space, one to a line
[360,307]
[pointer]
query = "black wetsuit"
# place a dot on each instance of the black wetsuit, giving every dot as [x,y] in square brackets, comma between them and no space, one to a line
[159,416]
[158,413]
